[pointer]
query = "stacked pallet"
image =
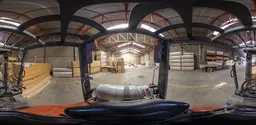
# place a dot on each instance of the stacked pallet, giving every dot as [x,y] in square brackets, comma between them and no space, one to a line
[97,55]
[120,63]
[35,76]
[94,67]
[75,68]
[179,61]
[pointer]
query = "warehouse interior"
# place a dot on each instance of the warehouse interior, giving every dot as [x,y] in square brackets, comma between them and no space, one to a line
[44,46]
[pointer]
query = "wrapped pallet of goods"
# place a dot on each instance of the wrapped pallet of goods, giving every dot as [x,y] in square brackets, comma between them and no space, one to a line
[175,68]
[226,58]
[219,53]
[219,58]
[211,63]
[104,59]
[174,57]
[210,52]
[188,60]
[35,77]
[62,72]
[175,53]
[174,61]
[177,62]
[187,56]
[187,64]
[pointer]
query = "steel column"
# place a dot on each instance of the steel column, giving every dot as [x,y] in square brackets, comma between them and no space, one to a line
[5,72]
[163,68]
[234,71]
[248,68]
[22,67]
[83,53]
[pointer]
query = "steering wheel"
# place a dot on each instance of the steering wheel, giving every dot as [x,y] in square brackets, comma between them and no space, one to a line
[248,89]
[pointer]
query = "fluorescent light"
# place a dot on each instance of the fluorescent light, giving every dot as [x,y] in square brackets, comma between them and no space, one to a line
[135,50]
[215,33]
[151,29]
[120,26]
[223,27]
[137,44]
[125,44]
[9,22]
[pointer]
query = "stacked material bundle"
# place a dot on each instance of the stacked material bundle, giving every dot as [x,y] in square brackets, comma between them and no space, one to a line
[35,76]
[178,61]
[103,59]
[94,67]
[120,63]
[213,56]
[75,68]
[62,72]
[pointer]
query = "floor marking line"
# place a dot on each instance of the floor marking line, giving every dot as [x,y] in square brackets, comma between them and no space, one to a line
[181,86]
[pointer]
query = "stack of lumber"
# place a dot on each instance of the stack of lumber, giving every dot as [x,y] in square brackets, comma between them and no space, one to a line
[98,55]
[62,72]
[181,61]
[120,63]
[94,67]
[12,59]
[75,68]
[35,77]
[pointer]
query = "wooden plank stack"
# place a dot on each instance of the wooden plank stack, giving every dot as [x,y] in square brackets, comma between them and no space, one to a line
[120,63]
[35,76]
[75,68]
[94,67]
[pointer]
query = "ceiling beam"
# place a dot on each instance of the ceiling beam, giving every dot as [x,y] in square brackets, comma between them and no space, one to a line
[83,37]
[110,32]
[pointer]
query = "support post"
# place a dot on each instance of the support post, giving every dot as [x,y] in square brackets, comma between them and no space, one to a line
[234,71]
[85,58]
[248,68]
[22,67]
[163,68]
[5,73]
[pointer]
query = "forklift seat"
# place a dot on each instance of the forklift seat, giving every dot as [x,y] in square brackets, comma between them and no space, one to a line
[128,111]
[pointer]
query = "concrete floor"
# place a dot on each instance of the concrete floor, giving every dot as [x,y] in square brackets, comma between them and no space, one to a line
[194,87]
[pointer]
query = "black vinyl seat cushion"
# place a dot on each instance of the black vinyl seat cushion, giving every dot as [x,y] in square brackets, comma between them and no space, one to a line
[129,111]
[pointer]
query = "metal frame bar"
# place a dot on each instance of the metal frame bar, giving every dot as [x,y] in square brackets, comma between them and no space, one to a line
[22,68]
[163,68]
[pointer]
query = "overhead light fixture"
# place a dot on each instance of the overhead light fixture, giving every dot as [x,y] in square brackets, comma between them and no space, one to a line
[223,27]
[137,44]
[135,50]
[130,50]
[120,26]
[151,29]
[125,44]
